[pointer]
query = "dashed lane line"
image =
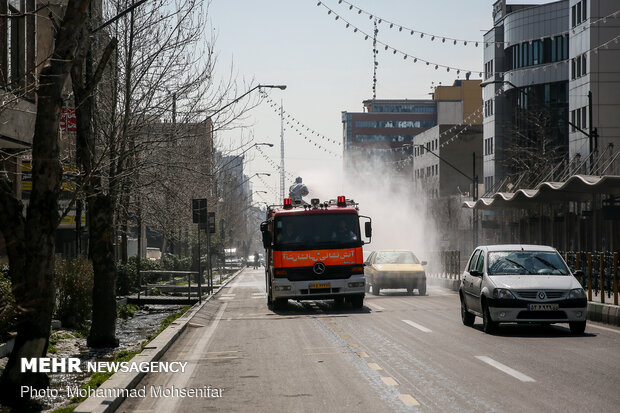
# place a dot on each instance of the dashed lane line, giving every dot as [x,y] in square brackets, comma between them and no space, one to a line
[418,326]
[502,367]
[389,381]
[374,366]
[408,400]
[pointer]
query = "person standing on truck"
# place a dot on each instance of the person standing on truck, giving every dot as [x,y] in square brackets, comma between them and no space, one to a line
[297,191]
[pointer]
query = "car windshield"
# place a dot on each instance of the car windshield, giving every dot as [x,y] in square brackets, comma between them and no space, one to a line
[396,257]
[317,231]
[526,263]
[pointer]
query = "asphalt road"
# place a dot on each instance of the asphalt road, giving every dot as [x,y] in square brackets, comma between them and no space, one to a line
[399,353]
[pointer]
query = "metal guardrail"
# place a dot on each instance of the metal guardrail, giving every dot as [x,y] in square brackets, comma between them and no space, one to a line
[151,276]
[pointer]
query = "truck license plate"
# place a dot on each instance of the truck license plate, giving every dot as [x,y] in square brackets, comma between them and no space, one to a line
[320,285]
[543,307]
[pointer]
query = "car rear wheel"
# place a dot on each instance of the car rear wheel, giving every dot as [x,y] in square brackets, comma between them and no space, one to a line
[577,327]
[375,289]
[467,317]
[489,326]
[422,289]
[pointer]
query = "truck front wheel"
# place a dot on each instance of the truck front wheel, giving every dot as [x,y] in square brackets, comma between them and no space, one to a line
[357,301]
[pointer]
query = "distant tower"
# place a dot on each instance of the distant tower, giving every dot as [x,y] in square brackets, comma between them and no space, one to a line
[375,62]
[281,153]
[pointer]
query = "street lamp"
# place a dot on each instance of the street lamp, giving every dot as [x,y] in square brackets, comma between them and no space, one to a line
[281,87]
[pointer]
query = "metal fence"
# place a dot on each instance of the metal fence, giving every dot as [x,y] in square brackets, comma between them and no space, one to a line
[599,273]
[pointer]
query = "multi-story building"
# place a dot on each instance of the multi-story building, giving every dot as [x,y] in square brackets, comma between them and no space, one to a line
[448,157]
[544,64]
[593,85]
[525,91]
[383,134]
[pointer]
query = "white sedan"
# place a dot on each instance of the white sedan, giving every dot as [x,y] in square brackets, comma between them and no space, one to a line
[521,284]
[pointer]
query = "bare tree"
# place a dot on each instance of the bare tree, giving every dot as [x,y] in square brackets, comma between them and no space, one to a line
[534,148]
[31,239]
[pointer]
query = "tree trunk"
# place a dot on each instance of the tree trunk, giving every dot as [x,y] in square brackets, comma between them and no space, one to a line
[103,328]
[31,241]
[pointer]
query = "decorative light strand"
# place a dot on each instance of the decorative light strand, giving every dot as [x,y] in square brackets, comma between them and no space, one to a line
[275,166]
[458,70]
[294,124]
[464,42]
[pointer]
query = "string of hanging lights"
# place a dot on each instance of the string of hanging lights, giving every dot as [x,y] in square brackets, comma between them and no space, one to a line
[457,41]
[274,165]
[297,126]
[458,70]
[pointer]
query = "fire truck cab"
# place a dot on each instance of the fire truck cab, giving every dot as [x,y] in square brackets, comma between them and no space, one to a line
[314,252]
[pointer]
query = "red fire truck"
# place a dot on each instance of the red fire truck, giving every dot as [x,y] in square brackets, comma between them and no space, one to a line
[314,252]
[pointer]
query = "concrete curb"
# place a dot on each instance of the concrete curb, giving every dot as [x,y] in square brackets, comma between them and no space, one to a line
[152,352]
[604,313]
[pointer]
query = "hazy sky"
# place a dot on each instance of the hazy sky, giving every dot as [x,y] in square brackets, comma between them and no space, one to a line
[328,68]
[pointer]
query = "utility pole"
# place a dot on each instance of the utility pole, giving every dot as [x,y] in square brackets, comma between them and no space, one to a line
[474,193]
[282,193]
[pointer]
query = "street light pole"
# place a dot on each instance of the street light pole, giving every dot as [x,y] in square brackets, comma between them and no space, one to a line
[238,98]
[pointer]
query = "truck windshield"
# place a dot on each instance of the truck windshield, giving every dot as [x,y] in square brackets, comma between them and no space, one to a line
[317,231]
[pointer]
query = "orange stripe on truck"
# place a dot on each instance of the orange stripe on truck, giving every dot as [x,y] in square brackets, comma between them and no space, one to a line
[343,256]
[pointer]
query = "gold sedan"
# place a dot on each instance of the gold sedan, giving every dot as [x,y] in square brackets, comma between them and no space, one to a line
[391,269]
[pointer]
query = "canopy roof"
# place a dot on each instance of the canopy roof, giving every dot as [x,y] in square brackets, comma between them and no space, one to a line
[575,188]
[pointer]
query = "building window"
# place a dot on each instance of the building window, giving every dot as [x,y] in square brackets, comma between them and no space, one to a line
[583,117]
[572,120]
[583,65]
[584,12]
[574,16]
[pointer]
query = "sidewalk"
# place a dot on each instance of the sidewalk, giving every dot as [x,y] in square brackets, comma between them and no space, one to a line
[152,352]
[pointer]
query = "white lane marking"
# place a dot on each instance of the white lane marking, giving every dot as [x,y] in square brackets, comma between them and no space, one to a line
[389,381]
[510,371]
[228,295]
[375,306]
[418,326]
[604,328]
[408,400]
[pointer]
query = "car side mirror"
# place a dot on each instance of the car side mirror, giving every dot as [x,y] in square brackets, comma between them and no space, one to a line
[368,229]
[475,273]
[424,262]
[578,273]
